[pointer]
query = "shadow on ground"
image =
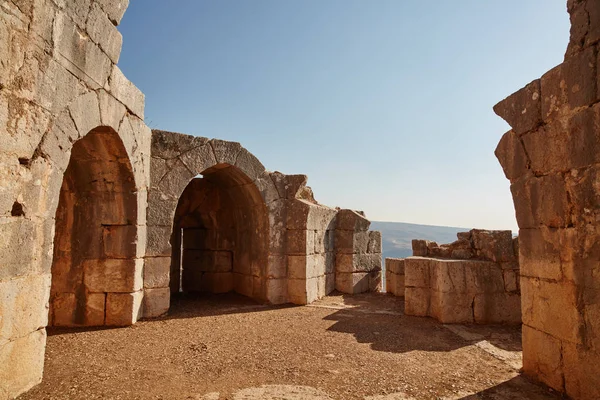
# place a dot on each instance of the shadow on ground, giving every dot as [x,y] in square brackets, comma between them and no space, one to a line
[379,319]
[517,388]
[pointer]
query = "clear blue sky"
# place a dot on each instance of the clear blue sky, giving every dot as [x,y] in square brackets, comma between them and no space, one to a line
[386,105]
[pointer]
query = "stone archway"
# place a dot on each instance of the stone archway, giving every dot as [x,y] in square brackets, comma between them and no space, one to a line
[220,234]
[94,262]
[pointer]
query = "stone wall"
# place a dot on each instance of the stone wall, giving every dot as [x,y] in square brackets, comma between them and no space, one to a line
[472,280]
[551,158]
[238,227]
[72,132]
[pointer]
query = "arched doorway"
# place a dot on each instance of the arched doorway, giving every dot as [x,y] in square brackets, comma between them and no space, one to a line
[95,242]
[220,235]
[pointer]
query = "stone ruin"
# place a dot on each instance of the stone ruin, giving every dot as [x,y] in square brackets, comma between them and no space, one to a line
[472,280]
[93,208]
[103,219]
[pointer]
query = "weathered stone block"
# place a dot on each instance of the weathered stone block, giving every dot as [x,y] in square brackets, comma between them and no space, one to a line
[581,371]
[220,282]
[277,266]
[23,306]
[417,272]
[156,302]
[126,92]
[374,245]
[351,220]
[358,262]
[523,109]
[157,242]
[25,356]
[113,275]
[551,307]
[297,291]
[417,301]
[497,308]
[450,307]
[352,283]
[420,248]
[395,265]
[483,277]
[120,241]
[277,291]
[542,357]
[304,267]
[157,272]
[102,31]
[94,309]
[114,9]
[123,309]
[540,253]
[243,284]
[300,242]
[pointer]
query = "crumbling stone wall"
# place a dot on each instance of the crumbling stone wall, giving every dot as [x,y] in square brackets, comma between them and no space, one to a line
[472,280]
[68,119]
[236,226]
[551,157]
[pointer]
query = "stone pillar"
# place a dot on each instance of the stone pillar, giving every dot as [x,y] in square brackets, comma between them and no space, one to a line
[357,254]
[551,158]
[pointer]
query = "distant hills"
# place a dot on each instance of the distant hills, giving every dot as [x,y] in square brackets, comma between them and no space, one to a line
[397,236]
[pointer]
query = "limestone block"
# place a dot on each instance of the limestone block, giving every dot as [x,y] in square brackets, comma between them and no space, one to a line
[243,284]
[277,291]
[113,275]
[304,267]
[374,245]
[225,152]
[157,272]
[321,286]
[102,31]
[329,262]
[395,265]
[199,159]
[344,241]
[448,276]
[114,9]
[64,307]
[542,357]
[511,154]
[123,309]
[18,241]
[23,306]
[450,307]
[126,92]
[289,186]
[571,84]
[111,110]
[78,10]
[540,253]
[169,145]
[541,201]
[300,242]
[523,109]
[249,164]
[312,288]
[552,307]
[277,266]
[25,356]
[85,111]
[161,208]
[352,283]
[416,272]
[390,282]
[119,241]
[494,245]
[420,248]
[94,309]
[352,221]
[157,243]
[329,283]
[297,292]
[42,19]
[399,288]
[174,182]
[358,262]
[218,282]
[320,217]
[581,371]
[497,308]
[85,60]
[417,301]
[156,302]
[483,277]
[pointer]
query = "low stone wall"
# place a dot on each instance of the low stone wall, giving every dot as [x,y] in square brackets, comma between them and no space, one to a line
[472,280]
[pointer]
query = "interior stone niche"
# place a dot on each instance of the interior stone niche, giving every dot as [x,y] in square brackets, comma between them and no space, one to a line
[220,235]
[94,262]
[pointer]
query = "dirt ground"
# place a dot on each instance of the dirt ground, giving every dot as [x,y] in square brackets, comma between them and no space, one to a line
[342,347]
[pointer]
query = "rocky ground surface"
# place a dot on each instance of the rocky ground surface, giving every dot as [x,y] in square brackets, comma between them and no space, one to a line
[342,347]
